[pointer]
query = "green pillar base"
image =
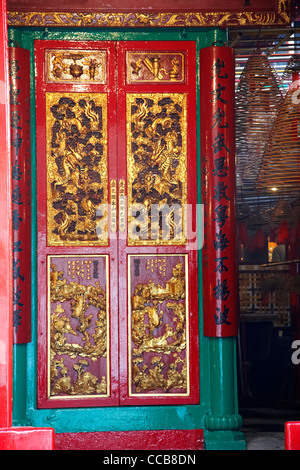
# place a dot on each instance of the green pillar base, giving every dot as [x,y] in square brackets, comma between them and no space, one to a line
[222,422]
[224,440]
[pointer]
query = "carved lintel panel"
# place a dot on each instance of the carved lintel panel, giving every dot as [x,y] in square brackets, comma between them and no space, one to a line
[78,326]
[155,67]
[77,180]
[158,318]
[281,14]
[79,66]
[156,168]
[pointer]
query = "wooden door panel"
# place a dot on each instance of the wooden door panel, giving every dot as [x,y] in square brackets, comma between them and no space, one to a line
[117,259]
[77,257]
[157,261]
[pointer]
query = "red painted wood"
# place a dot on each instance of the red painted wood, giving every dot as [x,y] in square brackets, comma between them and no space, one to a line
[292,435]
[131,5]
[19,71]
[118,249]
[170,439]
[43,248]
[10,438]
[189,87]
[220,289]
[27,439]
[6,290]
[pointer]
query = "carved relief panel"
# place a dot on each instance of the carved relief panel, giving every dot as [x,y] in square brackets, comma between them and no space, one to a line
[117,280]
[150,66]
[156,166]
[158,319]
[78,326]
[80,65]
[77,175]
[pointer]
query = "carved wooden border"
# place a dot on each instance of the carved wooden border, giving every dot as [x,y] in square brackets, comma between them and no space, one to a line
[280,17]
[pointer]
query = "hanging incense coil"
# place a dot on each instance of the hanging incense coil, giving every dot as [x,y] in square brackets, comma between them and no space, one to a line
[292,68]
[282,211]
[258,96]
[280,166]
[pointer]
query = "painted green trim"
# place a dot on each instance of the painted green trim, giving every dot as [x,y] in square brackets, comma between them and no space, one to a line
[25,411]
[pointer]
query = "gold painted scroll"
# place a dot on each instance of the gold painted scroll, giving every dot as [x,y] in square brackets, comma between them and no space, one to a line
[78,326]
[77,179]
[158,341]
[156,168]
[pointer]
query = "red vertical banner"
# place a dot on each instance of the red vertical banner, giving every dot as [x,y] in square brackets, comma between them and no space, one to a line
[217,117]
[19,72]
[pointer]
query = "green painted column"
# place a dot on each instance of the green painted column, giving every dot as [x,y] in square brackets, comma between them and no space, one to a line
[223,423]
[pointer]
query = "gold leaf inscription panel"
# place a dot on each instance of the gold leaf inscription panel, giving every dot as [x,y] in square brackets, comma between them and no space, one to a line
[74,66]
[156,168]
[158,319]
[78,326]
[77,175]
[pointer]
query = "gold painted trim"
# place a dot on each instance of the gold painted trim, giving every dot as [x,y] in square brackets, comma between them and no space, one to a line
[113,202]
[122,206]
[282,16]
[108,357]
[187,328]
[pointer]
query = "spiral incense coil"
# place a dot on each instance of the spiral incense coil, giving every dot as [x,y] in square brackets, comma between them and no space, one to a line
[280,166]
[257,98]
[292,68]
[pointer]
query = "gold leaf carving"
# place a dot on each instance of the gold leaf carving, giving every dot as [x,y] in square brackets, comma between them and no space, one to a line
[77,182]
[159,331]
[79,311]
[156,167]
[281,16]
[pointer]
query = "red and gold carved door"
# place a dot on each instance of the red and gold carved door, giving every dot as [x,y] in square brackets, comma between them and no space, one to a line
[116,198]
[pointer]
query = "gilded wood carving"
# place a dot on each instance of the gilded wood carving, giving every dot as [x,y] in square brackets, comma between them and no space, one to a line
[158,342]
[77,168]
[156,168]
[78,325]
[279,16]
[85,66]
[154,67]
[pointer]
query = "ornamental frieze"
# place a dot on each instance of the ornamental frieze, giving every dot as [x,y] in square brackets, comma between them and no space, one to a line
[280,16]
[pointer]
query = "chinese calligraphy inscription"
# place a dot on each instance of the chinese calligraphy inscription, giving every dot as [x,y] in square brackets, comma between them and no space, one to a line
[21,191]
[218,191]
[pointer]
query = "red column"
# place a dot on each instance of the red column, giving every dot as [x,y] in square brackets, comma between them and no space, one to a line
[6,246]
[10,438]
[19,74]
[217,118]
